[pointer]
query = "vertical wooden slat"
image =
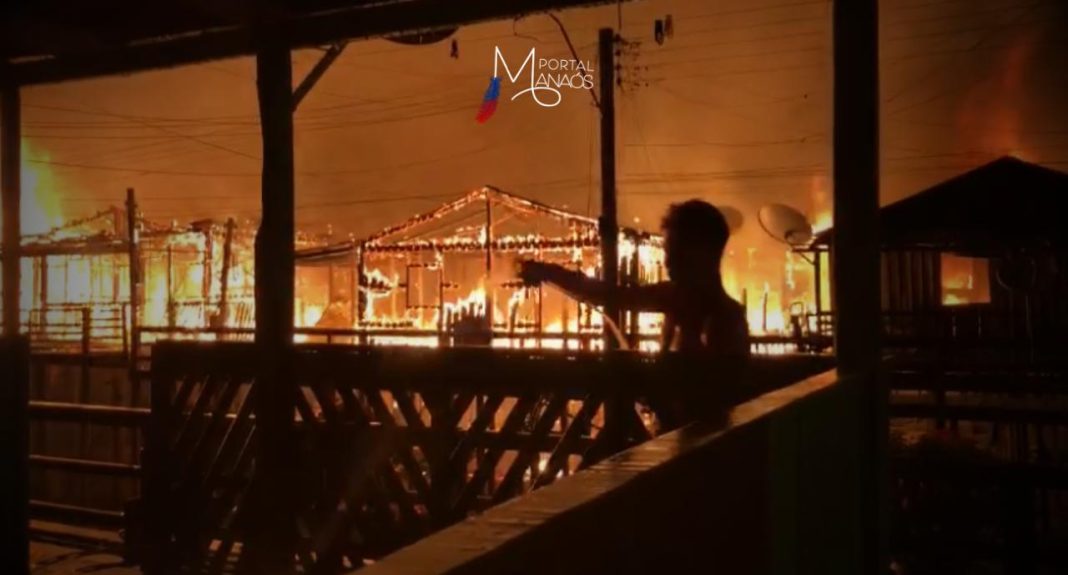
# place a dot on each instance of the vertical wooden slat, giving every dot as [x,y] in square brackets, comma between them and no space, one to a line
[156,467]
[224,275]
[10,191]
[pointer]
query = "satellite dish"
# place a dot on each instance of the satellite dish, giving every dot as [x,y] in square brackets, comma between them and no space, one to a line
[1017,273]
[422,38]
[785,224]
[734,217]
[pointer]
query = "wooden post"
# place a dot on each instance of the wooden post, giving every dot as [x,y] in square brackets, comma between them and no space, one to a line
[272,538]
[133,241]
[224,285]
[817,270]
[14,451]
[856,261]
[361,299]
[84,386]
[171,315]
[489,265]
[207,262]
[442,320]
[42,294]
[609,221]
[10,166]
[633,279]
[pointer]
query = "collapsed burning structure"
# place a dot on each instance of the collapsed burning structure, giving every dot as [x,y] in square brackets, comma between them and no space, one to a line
[105,279]
[443,277]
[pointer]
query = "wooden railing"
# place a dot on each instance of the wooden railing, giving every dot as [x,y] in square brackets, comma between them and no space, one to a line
[773,490]
[397,443]
[14,455]
[981,458]
[85,414]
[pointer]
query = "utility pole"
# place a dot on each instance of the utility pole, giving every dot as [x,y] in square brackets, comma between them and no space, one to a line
[10,166]
[609,221]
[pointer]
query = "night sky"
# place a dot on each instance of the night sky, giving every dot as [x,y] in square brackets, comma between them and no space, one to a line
[733,108]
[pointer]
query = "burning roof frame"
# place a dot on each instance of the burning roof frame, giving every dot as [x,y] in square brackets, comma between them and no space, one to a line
[585,236]
[129,236]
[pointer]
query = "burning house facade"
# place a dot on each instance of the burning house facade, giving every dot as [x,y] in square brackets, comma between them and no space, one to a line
[448,277]
[440,278]
[115,279]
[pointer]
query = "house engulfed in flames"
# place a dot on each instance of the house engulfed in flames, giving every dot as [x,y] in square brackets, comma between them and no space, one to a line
[77,278]
[444,277]
[448,276]
[188,281]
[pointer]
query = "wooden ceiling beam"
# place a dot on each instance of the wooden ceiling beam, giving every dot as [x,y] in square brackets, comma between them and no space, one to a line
[300,32]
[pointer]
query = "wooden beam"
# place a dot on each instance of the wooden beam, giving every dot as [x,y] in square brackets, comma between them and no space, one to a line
[855,254]
[355,23]
[272,539]
[10,168]
[224,276]
[316,73]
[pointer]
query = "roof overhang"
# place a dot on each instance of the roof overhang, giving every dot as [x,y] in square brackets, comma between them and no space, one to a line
[41,45]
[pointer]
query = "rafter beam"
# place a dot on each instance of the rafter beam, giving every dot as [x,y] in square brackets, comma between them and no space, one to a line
[317,72]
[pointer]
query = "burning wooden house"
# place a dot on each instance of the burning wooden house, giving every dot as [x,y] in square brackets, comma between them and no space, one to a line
[79,287]
[448,276]
[76,282]
[981,255]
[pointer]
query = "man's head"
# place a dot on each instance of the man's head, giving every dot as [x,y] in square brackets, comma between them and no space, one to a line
[695,234]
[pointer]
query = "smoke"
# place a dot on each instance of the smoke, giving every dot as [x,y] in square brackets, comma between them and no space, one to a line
[989,120]
[41,188]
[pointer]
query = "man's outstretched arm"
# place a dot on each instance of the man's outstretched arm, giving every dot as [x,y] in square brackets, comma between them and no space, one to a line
[593,290]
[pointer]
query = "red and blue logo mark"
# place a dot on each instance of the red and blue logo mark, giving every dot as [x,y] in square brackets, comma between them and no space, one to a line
[544,80]
[489,100]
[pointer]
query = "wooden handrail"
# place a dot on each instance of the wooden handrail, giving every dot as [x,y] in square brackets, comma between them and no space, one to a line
[593,521]
[89,413]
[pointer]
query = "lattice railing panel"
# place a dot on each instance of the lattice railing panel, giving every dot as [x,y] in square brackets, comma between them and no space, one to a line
[394,444]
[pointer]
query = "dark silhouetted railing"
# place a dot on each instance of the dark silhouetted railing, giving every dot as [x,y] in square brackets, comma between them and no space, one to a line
[398,443]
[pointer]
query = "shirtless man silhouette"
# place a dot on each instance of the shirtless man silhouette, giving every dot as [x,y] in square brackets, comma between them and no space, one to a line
[699,315]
